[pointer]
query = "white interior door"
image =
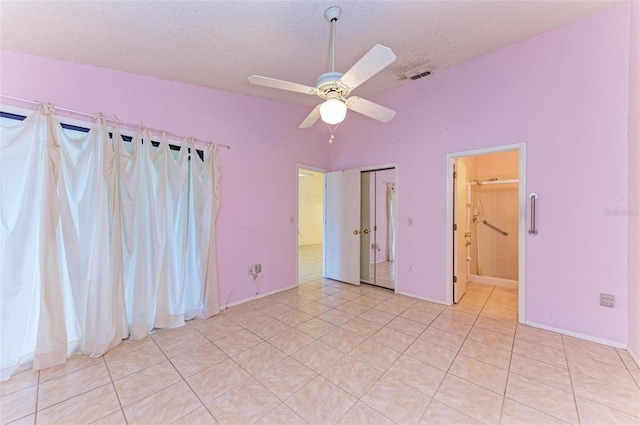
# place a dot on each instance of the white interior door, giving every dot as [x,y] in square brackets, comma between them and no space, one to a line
[460,232]
[342,226]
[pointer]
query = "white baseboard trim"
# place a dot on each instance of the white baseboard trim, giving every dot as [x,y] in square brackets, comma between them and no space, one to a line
[431,300]
[496,281]
[633,356]
[255,297]
[578,335]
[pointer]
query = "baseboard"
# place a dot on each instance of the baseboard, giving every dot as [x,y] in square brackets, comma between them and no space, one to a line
[579,335]
[634,357]
[496,281]
[255,297]
[431,300]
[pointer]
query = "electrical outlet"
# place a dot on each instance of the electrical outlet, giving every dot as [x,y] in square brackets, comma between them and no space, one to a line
[258,268]
[606,300]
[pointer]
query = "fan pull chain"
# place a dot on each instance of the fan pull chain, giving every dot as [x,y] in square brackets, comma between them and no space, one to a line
[331,131]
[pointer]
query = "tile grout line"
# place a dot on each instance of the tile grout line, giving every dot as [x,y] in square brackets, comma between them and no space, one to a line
[113,385]
[573,391]
[35,418]
[506,384]
[456,356]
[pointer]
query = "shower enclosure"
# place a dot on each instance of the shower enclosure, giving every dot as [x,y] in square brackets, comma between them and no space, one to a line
[493,207]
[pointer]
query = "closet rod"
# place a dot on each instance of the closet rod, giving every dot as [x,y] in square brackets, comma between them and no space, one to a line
[127,124]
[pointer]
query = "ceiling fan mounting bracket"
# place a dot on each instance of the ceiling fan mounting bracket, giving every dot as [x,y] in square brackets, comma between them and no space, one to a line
[333,13]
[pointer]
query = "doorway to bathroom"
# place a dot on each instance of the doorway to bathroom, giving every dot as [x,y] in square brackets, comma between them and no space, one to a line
[486,224]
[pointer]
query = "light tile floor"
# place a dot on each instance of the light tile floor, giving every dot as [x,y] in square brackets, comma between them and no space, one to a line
[329,352]
[309,263]
[310,267]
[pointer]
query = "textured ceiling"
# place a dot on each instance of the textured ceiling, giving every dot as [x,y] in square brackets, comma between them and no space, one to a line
[218,44]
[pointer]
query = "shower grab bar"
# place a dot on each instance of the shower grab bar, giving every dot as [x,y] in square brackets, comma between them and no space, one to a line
[532,197]
[494,227]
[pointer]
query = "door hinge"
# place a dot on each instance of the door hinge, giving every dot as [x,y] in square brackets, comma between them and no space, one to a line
[455,174]
[455,226]
[455,279]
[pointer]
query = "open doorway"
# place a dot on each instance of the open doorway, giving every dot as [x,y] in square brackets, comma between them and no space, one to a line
[310,224]
[486,232]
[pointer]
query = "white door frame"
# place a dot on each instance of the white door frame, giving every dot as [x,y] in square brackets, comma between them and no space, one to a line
[318,170]
[522,205]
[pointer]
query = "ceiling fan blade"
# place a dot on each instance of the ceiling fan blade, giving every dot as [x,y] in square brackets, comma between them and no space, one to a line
[311,118]
[370,109]
[280,84]
[370,64]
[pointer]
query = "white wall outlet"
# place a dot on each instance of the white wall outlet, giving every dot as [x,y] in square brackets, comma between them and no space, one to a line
[606,300]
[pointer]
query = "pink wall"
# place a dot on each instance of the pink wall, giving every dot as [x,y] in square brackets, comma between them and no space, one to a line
[259,172]
[634,182]
[565,93]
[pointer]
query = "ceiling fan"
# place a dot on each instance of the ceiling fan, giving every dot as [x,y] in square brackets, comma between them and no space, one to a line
[335,87]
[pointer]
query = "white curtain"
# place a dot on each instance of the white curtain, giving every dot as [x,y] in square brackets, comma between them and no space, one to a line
[100,239]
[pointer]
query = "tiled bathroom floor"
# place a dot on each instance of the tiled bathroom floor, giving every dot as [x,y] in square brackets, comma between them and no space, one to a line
[328,353]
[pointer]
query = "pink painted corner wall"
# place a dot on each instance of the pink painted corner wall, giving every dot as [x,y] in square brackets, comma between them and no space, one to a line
[259,173]
[564,93]
[634,182]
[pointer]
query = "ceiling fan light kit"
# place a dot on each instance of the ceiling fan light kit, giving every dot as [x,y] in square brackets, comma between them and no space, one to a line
[333,110]
[335,87]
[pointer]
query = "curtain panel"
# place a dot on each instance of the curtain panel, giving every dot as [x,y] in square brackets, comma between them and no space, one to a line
[100,239]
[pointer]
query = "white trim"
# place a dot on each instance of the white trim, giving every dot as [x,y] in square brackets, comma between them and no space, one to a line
[578,335]
[496,281]
[490,182]
[522,204]
[255,297]
[378,167]
[633,356]
[431,300]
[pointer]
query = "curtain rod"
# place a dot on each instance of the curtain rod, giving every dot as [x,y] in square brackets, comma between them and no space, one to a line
[127,124]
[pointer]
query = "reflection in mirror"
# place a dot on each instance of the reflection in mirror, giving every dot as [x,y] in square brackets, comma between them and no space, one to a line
[378,227]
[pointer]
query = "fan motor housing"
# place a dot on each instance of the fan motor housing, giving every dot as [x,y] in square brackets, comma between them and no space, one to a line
[327,83]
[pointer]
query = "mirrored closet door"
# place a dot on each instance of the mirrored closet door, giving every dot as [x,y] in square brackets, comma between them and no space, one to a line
[378,227]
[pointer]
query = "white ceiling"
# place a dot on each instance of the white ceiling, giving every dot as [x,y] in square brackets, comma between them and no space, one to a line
[218,44]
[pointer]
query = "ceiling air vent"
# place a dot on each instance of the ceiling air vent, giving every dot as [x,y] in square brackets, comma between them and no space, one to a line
[422,74]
